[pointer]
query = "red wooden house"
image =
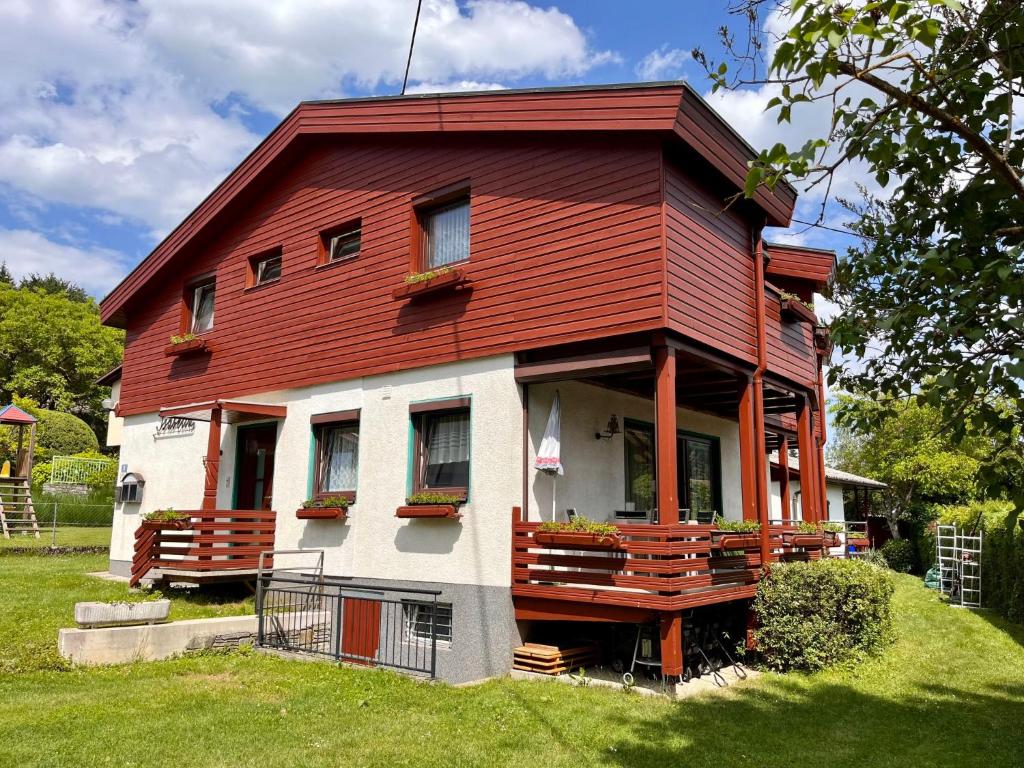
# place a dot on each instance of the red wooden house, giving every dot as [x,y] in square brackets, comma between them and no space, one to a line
[382,301]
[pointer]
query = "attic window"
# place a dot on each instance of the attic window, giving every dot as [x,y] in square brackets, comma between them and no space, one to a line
[341,243]
[265,268]
[199,298]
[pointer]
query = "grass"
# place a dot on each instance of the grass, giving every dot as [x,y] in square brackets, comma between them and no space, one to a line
[38,595]
[67,536]
[949,692]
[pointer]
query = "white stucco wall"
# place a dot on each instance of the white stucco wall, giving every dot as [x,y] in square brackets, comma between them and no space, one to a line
[373,543]
[115,424]
[833,492]
[595,470]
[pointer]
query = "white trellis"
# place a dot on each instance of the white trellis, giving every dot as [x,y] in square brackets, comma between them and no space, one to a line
[959,561]
[75,470]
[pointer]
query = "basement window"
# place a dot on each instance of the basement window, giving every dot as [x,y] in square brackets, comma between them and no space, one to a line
[418,619]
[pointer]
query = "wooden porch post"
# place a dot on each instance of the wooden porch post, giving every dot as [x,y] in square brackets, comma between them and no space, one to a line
[784,478]
[748,482]
[212,462]
[761,470]
[672,643]
[665,435]
[805,444]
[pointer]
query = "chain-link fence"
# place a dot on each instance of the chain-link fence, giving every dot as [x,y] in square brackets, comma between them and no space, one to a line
[67,523]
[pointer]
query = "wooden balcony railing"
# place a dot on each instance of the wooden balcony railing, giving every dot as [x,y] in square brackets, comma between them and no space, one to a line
[654,567]
[218,541]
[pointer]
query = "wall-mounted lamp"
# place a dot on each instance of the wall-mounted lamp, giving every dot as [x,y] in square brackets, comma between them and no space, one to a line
[610,431]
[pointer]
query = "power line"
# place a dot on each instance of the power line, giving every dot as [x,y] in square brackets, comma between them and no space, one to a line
[825,226]
[412,44]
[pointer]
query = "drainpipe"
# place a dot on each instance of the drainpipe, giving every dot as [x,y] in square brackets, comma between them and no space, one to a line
[760,458]
[823,501]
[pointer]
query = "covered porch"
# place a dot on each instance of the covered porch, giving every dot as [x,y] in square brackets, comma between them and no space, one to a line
[664,440]
[211,545]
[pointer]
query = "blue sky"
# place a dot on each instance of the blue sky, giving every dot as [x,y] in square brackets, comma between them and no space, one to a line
[116,119]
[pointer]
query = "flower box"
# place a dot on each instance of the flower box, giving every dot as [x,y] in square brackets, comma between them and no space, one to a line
[577,540]
[450,279]
[859,543]
[832,539]
[190,347]
[726,540]
[166,525]
[322,513]
[798,311]
[806,540]
[435,511]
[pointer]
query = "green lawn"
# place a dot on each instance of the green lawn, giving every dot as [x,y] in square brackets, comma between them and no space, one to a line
[949,693]
[67,536]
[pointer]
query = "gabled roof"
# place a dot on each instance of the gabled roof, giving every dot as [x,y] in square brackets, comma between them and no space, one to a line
[672,110]
[12,414]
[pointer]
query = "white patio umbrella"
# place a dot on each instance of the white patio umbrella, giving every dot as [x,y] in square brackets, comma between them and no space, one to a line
[549,459]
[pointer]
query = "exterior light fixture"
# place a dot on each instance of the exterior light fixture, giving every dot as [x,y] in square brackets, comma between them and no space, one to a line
[610,431]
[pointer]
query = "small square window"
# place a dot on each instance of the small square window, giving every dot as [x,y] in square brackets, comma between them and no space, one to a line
[341,243]
[199,298]
[445,233]
[424,620]
[265,268]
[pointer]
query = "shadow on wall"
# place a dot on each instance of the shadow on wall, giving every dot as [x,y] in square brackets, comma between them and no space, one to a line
[323,534]
[428,537]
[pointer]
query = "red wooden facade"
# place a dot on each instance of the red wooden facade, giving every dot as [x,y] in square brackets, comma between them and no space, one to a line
[617,196]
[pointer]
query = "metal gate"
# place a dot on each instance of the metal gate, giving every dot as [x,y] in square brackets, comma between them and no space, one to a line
[342,620]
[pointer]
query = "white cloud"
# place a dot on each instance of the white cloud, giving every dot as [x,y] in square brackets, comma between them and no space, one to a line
[453,87]
[663,63]
[95,269]
[120,106]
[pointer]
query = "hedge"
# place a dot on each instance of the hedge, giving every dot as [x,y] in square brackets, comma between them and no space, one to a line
[900,555]
[812,615]
[1002,553]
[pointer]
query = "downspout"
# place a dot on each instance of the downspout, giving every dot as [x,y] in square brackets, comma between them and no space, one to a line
[823,500]
[760,459]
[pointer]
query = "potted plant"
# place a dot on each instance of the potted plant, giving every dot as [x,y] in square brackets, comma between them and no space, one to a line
[736,534]
[578,533]
[432,505]
[427,282]
[795,308]
[324,508]
[857,539]
[186,343]
[832,531]
[166,520]
[807,535]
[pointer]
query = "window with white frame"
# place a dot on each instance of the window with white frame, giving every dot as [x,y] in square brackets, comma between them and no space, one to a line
[419,616]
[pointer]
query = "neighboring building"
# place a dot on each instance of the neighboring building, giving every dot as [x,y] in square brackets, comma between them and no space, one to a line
[115,423]
[837,484]
[584,246]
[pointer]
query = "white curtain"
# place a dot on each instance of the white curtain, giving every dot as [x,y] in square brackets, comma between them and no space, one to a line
[448,234]
[448,441]
[340,460]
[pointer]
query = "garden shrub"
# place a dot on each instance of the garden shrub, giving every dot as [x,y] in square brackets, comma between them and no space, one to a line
[1002,553]
[815,614]
[62,434]
[900,555]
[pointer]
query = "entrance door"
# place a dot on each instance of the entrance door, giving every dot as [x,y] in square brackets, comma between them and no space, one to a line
[254,481]
[698,476]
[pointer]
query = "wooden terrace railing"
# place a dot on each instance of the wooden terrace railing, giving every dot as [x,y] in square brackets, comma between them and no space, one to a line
[654,567]
[218,541]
